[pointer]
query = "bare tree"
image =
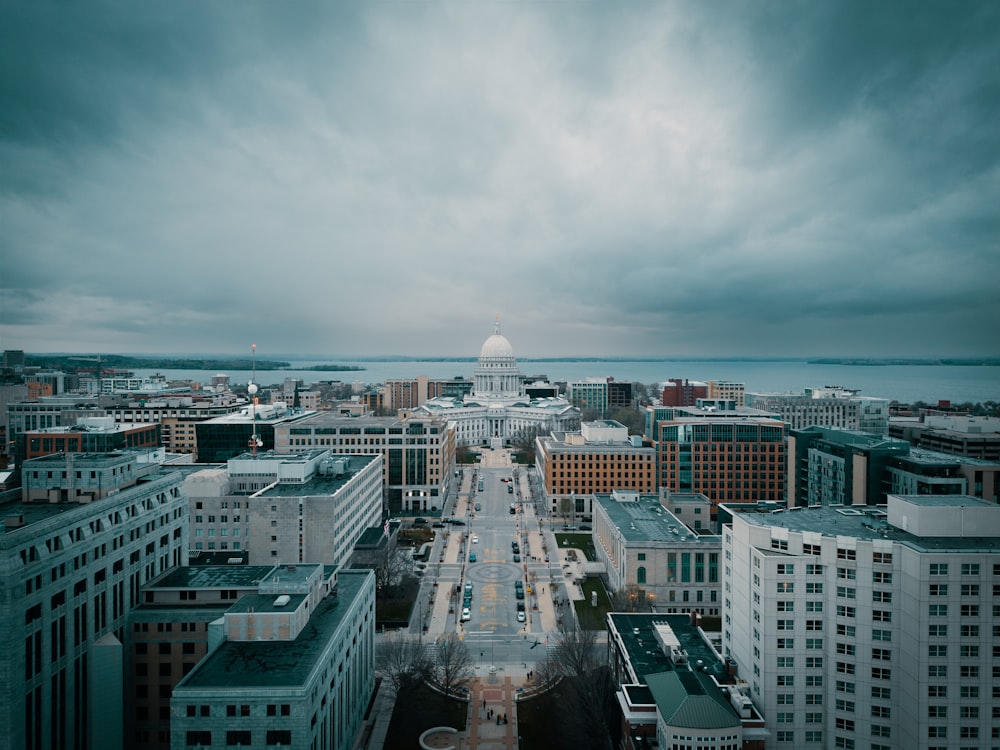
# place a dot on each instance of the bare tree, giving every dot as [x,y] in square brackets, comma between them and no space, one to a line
[453,667]
[402,661]
[391,565]
[578,673]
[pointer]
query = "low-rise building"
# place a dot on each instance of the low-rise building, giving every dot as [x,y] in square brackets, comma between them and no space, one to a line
[832,406]
[958,434]
[674,688]
[649,553]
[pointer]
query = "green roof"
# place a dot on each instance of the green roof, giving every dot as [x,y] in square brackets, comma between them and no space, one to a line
[689,699]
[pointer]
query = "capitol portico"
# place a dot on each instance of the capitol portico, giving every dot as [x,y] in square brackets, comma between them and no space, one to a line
[498,410]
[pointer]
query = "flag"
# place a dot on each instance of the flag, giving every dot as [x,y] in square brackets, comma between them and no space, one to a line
[385,528]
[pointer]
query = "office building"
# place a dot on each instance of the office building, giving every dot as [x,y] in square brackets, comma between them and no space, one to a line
[674,688]
[958,434]
[833,406]
[870,627]
[294,666]
[90,530]
[94,435]
[720,450]
[649,553]
[589,395]
[309,507]
[418,453]
[224,437]
[177,415]
[726,390]
[600,458]
[45,412]
[409,393]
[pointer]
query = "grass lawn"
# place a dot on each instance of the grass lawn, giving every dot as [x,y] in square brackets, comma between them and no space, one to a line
[419,709]
[592,618]
[584,542]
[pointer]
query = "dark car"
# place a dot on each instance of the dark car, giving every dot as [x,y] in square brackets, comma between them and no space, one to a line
[418,521]
[517,557]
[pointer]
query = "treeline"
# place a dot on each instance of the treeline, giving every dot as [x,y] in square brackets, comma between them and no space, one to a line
[69,363]
[880,362]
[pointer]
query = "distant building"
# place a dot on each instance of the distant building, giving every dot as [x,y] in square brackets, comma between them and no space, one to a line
[832,406]
[866,627]
[647,550]
[600,458]
[961,435]
[498,410]
[675,690]
[294,666]
[51,411]
[177,415]
[727,390]
[93,435]
[418,452]
[677,392]
[589,395]
[412,392]
[91,530]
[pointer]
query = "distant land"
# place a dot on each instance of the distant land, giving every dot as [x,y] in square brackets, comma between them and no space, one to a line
[881,362]
[125,362]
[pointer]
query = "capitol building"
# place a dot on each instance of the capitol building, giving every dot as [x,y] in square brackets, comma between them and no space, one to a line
[498,410]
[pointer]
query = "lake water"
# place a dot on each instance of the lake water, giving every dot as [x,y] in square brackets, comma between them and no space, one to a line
[904,383]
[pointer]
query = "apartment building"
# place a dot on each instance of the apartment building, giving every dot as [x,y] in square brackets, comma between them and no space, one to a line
[88,533]
[600,458]
[409,393]
[647,551]
[678,392]
[93,435]
[726,390]
[867,627]
[418,453]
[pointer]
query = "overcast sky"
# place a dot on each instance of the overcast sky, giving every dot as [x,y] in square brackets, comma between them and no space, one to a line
[610,178]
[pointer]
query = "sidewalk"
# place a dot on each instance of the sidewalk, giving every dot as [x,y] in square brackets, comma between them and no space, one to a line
[484,733]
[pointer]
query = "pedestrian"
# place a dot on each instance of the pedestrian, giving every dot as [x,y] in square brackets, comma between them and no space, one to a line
[484,703]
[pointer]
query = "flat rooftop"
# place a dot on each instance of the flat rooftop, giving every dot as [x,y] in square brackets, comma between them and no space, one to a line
[213,577]
[645,520]
[321,484]
[866,522]
[637,635]
[278,664]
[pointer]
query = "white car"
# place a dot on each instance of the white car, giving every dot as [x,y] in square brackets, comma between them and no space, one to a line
[475,539]
[520,616]
[466,615]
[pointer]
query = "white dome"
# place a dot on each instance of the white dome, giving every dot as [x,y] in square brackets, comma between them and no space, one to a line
[496,347]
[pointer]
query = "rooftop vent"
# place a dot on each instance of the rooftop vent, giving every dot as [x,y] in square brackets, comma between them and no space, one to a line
[282,601]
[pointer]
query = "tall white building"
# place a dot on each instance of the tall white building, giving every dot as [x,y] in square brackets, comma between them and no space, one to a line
[865,627]
[498,409]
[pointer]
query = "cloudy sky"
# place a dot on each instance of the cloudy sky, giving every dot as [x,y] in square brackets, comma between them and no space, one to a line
[348,178]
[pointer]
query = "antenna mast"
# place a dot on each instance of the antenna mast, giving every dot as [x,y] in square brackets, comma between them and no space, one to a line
[255,441]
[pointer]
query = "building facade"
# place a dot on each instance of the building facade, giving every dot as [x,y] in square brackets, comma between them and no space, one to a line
[867,627]
[90,531]
[649,553]
[960,435]
[418,453]
[719,450]
[832,406]
[92,435]
[600,458]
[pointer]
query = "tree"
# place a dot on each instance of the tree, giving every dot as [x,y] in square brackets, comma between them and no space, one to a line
[523,441]
[402,662]
[578,672]
[453,667]
[632,418]
[390,565]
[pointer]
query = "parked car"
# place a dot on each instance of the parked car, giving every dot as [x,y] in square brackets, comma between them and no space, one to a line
[472,557]
[466,615]
[418,521]
[520,616]
[475,539]
[517,557]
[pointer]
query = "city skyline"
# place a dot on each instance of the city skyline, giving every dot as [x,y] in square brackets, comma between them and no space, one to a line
[371,179]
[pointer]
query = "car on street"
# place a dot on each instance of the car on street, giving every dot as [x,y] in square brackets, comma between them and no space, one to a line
[475,539]
[519,593]
[520,606]
[466,615]
[437,525]
[468,589]
[517,557]
[472,557]
[479,506]
[520,616]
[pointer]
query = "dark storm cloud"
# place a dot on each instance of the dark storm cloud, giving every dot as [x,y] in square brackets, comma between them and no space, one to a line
[386,177]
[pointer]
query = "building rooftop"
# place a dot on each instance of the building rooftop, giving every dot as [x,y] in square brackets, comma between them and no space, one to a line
[213,577]
[868,522]
[637,634]
[646,520]
[278,664]
[690,699]
[321,484]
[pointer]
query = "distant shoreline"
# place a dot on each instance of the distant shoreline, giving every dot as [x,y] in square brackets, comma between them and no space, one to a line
[891,361]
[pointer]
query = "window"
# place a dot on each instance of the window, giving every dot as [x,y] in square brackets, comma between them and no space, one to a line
[881,693]
[845,705]
[814,662]
[970,569]
[846,573]
[814,588]
[881,712]
[239,737]
[846,592]
[881,654]
[814,680]
[786,606]
[814,606]
[786,569]
[937,631]
[939,569]
[881,673]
